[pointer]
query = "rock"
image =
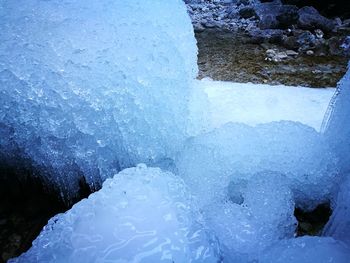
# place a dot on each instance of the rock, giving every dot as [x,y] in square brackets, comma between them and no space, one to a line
[292,53]
[306,40]
[276,16]
[339,46]
[247,12]
[311,19]
[273,55]
[290,42]
[319,33]
[268,21]
[243,2]
[337,21]
[309,52]
[346,43]
[259,36]
[330,8]
[287,16]
[346,23]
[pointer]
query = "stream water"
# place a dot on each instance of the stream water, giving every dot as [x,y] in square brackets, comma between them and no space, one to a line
[232,57]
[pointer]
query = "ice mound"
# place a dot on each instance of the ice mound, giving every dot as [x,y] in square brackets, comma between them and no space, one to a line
[307,250]
[339,224]
[263,216]
[336,122]
[337,132]
[336,125]
[141,215]
[235,152]
[91,87]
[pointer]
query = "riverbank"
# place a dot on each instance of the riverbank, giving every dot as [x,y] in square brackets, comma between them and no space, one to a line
[228,56]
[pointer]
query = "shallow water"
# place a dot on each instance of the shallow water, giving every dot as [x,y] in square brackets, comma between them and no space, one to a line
[230,57]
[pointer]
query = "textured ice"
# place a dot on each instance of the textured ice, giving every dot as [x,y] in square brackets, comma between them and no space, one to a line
[337,132]
[141,215]
[307,250]
[91,87]
[88,88]
[337,125]
[262,217]
[235,152]
[339,223]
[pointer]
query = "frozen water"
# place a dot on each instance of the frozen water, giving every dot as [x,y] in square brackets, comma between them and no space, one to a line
[210,162]
[254,104]
[337,125]
[141,215]
[337,132]
[88,88]
[264,216]
[248,181]
[307,250]
[339,223]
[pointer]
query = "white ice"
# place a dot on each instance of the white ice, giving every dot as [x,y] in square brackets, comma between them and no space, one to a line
[141,215]
[88,88]
[254,104]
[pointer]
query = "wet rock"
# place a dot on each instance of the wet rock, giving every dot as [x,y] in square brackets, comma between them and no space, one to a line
[311,19]
[268,35]
[334,44]
[247,12]
[306,40]
[290,42]
[329,8]
[275,56]
[292,53]
[339,46]
[319,33]
[274,15]
[288,16]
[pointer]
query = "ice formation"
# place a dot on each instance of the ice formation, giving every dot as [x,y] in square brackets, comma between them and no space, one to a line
[141,215]
[307,250]
[254,104]
[338,135]
[235,152]
[89,88]
[263,216]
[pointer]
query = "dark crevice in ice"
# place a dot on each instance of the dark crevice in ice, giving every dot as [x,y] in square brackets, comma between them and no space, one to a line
[312,222]
[26,205]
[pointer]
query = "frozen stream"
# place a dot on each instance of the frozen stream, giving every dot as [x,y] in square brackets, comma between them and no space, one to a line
[257,103]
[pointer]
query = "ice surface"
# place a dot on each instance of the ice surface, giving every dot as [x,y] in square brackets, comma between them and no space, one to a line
[337,125]
[88,88]
[337,132]
[263,217]
[91,87]
[248,180]
[254,104]
[339,224]
[307,250]
[141,215]
[235,152]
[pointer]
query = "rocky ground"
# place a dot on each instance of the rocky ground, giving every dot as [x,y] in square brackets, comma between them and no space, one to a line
[289,24]
[232,57]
